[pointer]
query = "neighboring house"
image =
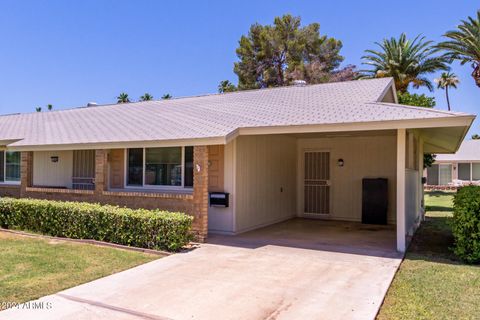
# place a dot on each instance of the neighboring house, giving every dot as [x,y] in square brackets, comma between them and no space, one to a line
[455,170]
[299,151]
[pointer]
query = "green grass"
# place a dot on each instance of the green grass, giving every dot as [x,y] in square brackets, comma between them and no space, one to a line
[31,267]
[431,282]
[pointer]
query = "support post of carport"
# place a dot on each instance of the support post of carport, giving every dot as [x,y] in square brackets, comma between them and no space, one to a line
[401,148]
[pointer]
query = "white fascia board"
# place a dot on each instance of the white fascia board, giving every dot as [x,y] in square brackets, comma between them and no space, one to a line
[452,121]
[121,145]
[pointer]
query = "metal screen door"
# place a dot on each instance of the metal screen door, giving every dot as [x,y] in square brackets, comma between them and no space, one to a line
[317,182]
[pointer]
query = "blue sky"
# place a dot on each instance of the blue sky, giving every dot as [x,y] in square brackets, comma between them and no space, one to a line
[68,53]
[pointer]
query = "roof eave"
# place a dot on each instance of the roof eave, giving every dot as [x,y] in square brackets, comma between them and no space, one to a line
[450,121]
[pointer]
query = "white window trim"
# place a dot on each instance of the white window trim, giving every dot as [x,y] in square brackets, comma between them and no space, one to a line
[5,181]
[155,187]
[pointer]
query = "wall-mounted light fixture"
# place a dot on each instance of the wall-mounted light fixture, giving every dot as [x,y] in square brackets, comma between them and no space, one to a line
[340,162]
[54,158]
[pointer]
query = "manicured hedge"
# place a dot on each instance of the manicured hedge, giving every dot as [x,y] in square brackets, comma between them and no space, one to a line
[466,223]
[153,229]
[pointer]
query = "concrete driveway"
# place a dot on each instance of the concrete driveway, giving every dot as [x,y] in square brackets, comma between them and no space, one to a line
[300,269]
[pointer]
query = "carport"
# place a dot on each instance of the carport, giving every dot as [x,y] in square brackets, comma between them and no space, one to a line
[319,176]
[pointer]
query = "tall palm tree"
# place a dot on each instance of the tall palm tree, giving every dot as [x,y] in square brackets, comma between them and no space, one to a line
[146,97]
[446,80]
[464,44]
[407,61]
[167,96]
[123,98]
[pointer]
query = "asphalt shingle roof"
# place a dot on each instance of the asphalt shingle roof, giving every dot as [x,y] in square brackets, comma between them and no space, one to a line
[211,116]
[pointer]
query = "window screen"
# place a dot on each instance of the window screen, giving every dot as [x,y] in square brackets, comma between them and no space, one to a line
[163,166]
[2,166]
[464,171]
[135,167]
[432,175]
[188,180]
[445,174]
[475,171]
[12,166]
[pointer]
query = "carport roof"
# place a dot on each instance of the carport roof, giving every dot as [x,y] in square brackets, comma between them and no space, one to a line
[216,118]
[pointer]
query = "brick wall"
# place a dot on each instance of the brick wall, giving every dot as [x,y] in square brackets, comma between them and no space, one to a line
[10,191]
[195,204]
[200,191]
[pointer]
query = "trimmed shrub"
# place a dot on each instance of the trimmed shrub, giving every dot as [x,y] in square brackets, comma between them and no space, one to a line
[466,223]
[153,229]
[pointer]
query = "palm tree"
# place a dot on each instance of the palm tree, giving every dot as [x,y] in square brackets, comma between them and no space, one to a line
[464,44]
[49,107]
[226,86]
[146,97]
[446,80]
[167,96]
[407,61]
[123,98]
[38,109]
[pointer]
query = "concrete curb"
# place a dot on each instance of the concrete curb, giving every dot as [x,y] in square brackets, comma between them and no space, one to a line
[88,241]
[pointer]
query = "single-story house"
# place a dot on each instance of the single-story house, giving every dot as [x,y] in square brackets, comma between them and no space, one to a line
[236,161]
[455,170]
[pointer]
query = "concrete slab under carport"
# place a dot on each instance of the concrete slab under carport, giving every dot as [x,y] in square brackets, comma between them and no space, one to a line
[318,234]
[298,269]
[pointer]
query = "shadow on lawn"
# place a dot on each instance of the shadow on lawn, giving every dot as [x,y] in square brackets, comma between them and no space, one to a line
[433,242]
[438,208]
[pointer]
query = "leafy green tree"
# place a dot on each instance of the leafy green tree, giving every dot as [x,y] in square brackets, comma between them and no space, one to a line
[38,109]
[464,44]
[407,61]
[414,99]
[475,137]
[226,86]
[276,55]
[146,97]
[123,98]
[447,80]
[49,107]
[419,100]
[167,96]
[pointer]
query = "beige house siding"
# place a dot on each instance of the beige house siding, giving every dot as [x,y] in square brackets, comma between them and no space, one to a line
[53,174]
[364,157]
[265,180]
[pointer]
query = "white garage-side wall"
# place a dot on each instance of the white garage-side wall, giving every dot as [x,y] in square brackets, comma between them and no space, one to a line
[221,220]
[53,174]
[265,180]
[364,157]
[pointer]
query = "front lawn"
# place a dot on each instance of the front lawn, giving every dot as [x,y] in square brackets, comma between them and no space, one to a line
[32,267]
[431,282]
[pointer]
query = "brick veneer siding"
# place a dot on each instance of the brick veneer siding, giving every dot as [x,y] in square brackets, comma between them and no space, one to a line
[200,191]
[195,204]
[26,171]
[10,191]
